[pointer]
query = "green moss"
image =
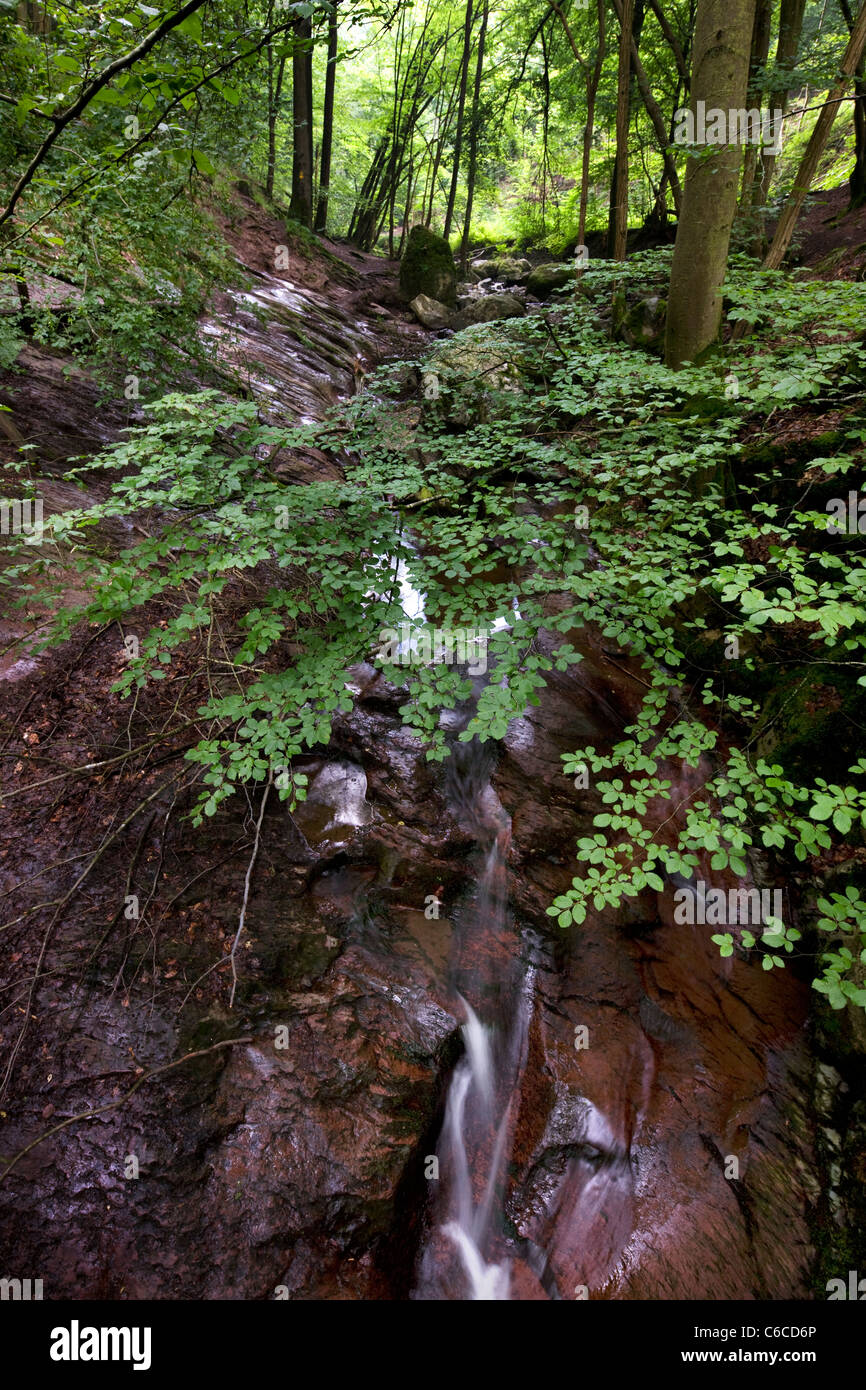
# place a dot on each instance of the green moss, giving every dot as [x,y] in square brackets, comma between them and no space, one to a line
[428,267]
[811,723]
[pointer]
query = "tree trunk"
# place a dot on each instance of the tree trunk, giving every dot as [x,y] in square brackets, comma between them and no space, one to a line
[857,177]
[461,103]
[411,185]
[368,187]
[815,147]
[545,127]
[440,132]
[654,112]
[301,205]
[720,70]
[673,43]
[754,93]
[321,222]
[790,28]
[623,103]
[591,94]
[275,87]
[474,125]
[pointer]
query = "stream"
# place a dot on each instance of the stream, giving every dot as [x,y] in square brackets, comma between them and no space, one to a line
[469,1104]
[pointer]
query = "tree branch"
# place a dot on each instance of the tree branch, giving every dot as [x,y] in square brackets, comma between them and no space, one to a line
[87,94]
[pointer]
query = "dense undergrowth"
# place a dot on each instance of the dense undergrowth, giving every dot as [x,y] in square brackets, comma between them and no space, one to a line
[683,515]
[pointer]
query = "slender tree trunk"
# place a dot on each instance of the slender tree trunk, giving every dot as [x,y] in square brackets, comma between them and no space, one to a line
[301,206]
[754,92]
[458,132]
[672,42]
[654,112]
[321,222]
[545,127]
[815,148]
[591,94]
[790,28]
[623,103]
[857,177]
[474,126]
[368,187]
[720,70]
[407,211]
[437,160]
[275,88]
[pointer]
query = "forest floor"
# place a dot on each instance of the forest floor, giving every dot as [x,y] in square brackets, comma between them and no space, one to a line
[829,239]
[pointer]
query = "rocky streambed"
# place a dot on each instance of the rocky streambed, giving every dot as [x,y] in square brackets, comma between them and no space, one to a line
[292,1156]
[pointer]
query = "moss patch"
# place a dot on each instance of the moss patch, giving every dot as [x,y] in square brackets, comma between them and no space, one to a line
[428,267]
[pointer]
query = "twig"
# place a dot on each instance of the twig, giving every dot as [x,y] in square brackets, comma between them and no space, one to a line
[250,866]
[7,1076]
[116,1104]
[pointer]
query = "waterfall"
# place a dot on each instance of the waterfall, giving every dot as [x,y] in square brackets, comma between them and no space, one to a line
[467,1254]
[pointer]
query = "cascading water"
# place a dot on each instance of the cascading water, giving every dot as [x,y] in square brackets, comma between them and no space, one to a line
[467,1254]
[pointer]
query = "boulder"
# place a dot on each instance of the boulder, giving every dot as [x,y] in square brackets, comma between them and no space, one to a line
[428,267]
[430,312]
[544,279]
[469,373]
[513,270]
[486,308]
[484,270]
[642,324]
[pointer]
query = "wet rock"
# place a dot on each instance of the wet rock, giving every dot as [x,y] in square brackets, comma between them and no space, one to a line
[428,267]
[430,312]
[335,804]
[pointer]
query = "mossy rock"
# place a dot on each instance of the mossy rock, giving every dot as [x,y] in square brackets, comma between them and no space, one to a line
[488,308]
[512,270]
[544,279]
[812,725]
[428,268]
[640,325]
[474,379]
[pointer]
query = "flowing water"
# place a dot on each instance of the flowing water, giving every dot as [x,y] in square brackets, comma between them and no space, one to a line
[467,1254]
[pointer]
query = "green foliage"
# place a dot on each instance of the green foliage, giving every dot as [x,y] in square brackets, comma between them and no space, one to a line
[598,494]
